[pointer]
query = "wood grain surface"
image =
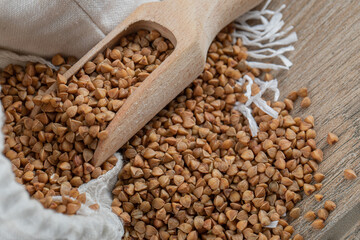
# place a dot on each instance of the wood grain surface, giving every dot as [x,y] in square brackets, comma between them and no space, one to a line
[353,233]
[327,62]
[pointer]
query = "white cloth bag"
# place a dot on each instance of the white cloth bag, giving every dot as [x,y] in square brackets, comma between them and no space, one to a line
[43,28]
[47,27]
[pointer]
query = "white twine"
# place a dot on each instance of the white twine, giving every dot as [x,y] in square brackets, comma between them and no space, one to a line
[245,109]
[266,36]
[273,224]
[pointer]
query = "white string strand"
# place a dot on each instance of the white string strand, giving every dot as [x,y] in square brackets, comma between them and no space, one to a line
[271,42]
[267,35]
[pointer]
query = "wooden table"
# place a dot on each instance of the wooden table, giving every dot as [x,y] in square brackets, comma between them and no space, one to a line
[327,62]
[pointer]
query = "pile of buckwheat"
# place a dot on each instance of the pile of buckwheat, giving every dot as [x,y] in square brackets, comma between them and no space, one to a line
[51,152]
[195,172]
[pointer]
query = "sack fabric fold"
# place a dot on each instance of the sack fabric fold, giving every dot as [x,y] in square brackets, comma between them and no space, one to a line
[70,27]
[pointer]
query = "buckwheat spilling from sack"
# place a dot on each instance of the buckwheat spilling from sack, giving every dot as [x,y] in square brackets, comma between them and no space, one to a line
[194,171]
[52,152]
[30,143]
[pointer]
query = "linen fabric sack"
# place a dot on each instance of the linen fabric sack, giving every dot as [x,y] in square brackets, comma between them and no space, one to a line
[70,27]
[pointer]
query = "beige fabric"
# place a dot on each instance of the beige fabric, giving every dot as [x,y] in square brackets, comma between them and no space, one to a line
[47,27]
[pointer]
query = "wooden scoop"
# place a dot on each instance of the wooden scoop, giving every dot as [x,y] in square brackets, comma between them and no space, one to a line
[191,25]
